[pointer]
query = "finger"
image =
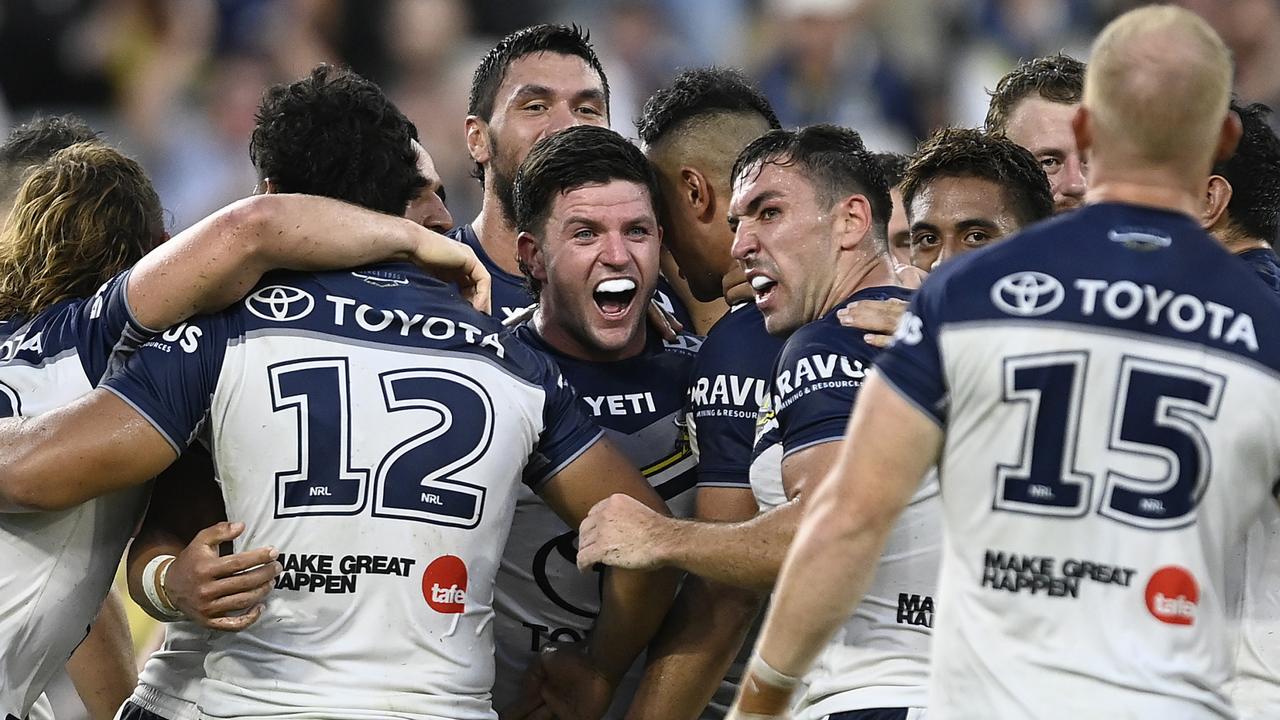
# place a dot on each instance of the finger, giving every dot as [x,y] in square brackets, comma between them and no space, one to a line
[481,288]
[587,558]
[240,601]
[235,623]
[658,319]
[880,341]
[244,581]
[215,535]
[241,561]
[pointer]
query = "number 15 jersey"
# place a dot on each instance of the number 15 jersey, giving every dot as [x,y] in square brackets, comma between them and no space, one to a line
[375,430]
[1109,385]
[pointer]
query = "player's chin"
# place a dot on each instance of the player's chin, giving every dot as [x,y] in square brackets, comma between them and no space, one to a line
[612,337]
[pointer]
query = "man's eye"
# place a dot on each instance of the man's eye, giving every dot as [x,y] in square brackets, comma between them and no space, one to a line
[589,110]
[536,107]
[926,240]
[977,237]
[584,234]
[770,213]
[1050,164]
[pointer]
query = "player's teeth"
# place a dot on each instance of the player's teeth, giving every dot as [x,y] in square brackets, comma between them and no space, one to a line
[761,282]
[617,285]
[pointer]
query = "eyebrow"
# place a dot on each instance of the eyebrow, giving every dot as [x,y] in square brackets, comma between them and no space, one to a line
[762,198]
[963,225]
[526,92]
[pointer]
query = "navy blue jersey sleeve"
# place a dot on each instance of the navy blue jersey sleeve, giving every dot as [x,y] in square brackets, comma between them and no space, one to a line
[912,364]
[815,382]
[170,379]
[106,326]
[566,431]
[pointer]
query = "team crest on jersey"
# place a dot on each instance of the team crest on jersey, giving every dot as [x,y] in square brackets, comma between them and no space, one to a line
[1173,595]
[444,584]
[1027,294]
[280,303]
[380,278]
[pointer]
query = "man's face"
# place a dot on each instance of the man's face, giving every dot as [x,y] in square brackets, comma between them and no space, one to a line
[899,231]
[951,216]
[428,208]
[1043,127]
[598,264]
[540,94]
[783,238]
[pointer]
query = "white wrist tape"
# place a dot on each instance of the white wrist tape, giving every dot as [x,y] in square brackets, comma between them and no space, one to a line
[767,674]
[151,586]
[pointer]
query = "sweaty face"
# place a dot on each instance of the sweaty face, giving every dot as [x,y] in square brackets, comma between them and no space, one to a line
[951,216]
[541,93]
[428,208]
[899,231]
[783,239]
[599,267]
[1044,128]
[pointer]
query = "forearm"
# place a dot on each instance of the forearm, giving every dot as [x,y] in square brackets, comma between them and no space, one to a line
[151,542]
[744,554]
[695,647]
[103,668]
[632,607]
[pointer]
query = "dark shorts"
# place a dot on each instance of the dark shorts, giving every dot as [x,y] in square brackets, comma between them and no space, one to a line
[871,714]
[130,711]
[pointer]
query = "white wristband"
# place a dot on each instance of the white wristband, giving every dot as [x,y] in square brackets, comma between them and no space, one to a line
[151,585]
[767,674]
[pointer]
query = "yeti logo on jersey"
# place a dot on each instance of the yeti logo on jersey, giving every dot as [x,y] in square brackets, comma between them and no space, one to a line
[1140,238]
[1027,294]
[280,303]
[444,584]
[1172,596]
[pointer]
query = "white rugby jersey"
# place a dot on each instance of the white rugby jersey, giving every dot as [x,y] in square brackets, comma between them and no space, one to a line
[169,683]
[1109,386]
[1255,690]
[880,657]
[57,567]
[375,430]
[541,595]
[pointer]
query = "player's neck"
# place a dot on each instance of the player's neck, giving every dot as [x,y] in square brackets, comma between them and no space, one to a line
[567,342]
[1163,191]
[869,272]
[496,236]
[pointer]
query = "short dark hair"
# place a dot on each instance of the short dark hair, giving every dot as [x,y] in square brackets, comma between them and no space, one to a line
[567,160]
[35,141]
[833,159]
[334,133]
[492,70]
[698,92]
[963,152]
[1254,174]
[893,165]
[1057,78]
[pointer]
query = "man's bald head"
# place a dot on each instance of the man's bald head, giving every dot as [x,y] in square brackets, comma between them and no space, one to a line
[1157,89]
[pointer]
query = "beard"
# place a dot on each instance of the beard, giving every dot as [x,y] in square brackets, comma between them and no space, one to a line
[503,169]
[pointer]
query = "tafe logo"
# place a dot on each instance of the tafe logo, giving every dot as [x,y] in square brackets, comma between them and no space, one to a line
[1027,293]
[280,303]
[1173,595]
[444,584]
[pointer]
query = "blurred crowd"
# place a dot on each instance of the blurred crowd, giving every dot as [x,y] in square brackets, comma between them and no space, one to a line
[176,82]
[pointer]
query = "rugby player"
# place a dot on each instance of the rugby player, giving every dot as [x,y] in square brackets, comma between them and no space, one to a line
[588,245]
[1033,105]
[893,165]
[1109,416]
[79,222]
[810,211]
[535,81]
[395,423]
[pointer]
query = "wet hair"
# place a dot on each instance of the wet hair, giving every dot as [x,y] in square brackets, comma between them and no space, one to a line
[567,160]
[334,133]
[35,141]
[80,218]
[1057,78]
[559,39]
[697,93]
[961,152]
[833,159]
[1254,174]
[893,165]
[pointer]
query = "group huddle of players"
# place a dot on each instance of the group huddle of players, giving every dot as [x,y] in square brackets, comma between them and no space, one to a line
[364,469]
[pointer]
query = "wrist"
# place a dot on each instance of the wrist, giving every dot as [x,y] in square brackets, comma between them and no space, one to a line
[765,691]
[153,577]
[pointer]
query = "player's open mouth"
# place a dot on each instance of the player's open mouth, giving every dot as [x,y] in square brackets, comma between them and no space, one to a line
[762,285]
[614,296]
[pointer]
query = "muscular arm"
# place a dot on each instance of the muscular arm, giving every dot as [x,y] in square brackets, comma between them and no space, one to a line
[43,459]
[887,449]
[633,603]
[702,633]
[103,669]
[743,554]
[218,260]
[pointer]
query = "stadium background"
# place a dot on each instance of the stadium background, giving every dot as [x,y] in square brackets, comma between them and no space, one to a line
[175,82]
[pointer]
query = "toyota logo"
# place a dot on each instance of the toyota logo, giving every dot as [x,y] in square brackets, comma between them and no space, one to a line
[280,303]
[1027,294]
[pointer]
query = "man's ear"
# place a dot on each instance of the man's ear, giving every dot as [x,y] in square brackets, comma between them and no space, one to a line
[531,257]
[1216,198]
[1228,138]
[851,220]
[266,186]
[478,139]
[696,192]
[1082,128]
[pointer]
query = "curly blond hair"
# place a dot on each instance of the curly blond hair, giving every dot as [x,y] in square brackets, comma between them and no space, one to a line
[79,219]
